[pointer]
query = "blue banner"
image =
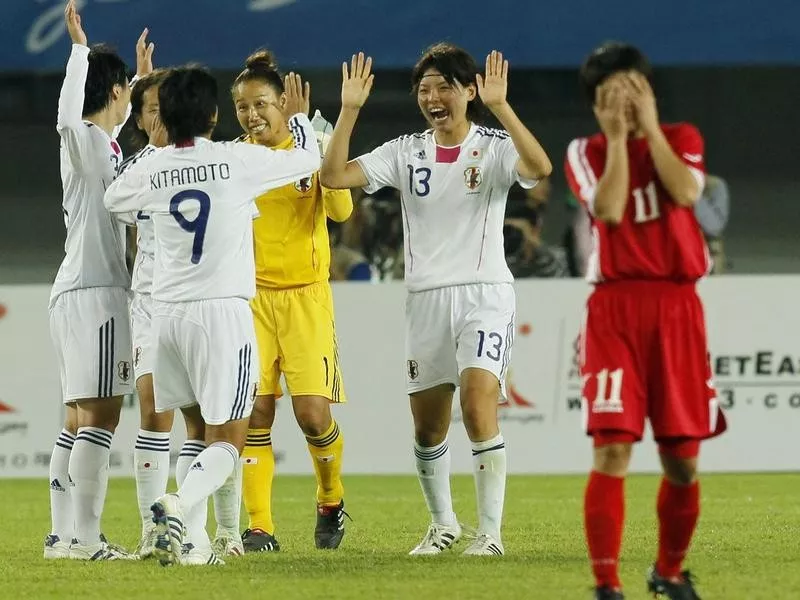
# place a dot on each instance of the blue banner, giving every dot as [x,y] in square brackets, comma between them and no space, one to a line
[322,33]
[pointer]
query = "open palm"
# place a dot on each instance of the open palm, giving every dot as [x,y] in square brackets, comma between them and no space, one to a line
[357,81]
[493,86]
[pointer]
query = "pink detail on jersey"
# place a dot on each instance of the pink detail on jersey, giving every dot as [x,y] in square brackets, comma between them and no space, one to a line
[115,147]
[447,155]
[186,144]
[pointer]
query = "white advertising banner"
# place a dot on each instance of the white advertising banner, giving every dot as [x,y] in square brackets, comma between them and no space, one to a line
[754,328]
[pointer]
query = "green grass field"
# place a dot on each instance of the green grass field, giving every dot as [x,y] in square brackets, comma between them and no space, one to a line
[747,547]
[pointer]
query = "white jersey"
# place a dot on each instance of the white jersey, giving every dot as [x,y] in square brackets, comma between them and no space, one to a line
[453,204]
[142,281]
[201,199]
[95,245]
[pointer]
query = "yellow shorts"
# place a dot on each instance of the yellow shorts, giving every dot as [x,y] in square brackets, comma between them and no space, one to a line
[296,337]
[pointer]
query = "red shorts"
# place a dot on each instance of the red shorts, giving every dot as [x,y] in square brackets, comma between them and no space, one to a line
[644,354]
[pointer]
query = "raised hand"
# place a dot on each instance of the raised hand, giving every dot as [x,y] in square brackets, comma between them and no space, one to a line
[610,109]
[73,21]
[298,95]
[357,81]
[644,102]
[144,55]
[493,86]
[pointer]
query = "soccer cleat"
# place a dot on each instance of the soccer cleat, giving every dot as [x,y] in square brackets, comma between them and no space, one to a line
[329,531]
[258,540]
[437,539]
[168,517]
[484,545]
[100,551]
[661,587]
[54,548]
[606,593]
[224,545]
[147,545]
[192,556]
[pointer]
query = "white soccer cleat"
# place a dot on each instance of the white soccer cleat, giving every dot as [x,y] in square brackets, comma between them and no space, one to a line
[485,545]
[99,551]
[147,545]
[224,545]
[54,548]
[437,539]
[168,517]
[191,556]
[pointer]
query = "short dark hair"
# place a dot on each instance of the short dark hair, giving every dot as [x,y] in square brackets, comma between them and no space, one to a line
[261,66]
[610,58]
[456,65]
[139,138]
[106,69]
[187,101]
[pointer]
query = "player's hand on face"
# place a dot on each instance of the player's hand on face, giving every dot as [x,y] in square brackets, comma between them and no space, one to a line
[644,101]
[356,81]
[158,133]
[609,109]
[73,20]
[493,86]
[144,55]
[297,94]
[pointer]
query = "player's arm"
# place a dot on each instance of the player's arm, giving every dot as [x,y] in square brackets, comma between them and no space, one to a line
[338,204]
[144,66]
[336,171]
[127,193]
[533,163]
[611,193]
[684,183]
[69,123]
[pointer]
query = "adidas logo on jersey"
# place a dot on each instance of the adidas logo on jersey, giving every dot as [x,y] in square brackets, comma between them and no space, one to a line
[198,466]
[56,486]
[420,155]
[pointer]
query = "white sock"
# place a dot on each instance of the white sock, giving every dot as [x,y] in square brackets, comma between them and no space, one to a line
[228,504]
[88,468]
[489,466]
[60,484]
[433,471]
[207,474]
[151,467]
[195,520]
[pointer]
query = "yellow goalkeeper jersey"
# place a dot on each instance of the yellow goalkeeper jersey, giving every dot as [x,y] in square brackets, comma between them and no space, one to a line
[292,248]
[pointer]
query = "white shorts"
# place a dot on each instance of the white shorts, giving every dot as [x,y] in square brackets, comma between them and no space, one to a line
[142,334]
[453,328]
[205,353]
[92,339]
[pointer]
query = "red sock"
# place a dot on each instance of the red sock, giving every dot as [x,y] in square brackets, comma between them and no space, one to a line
[678,509]
[603,517]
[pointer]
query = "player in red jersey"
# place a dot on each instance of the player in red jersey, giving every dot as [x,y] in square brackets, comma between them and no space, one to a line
[644,351]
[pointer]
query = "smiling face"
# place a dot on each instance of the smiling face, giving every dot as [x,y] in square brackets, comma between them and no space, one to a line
[258,111]
[443,104]
[149,110]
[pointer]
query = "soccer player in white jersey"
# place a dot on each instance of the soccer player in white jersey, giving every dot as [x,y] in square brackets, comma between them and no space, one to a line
[151,453]
[89,298]
[453,179]
[200,197]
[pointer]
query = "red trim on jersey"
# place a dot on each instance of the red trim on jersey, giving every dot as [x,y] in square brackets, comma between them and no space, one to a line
[115,147]
[186,144]
[447,155]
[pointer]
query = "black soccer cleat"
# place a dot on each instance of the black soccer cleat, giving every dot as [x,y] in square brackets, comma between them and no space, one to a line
[258,540]
[662,587]
[329,531]
[607,593]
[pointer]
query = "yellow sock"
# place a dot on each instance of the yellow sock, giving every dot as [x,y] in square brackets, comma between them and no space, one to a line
[258,469]
[326,454]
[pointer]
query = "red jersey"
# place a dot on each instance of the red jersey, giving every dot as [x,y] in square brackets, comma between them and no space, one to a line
[657,238]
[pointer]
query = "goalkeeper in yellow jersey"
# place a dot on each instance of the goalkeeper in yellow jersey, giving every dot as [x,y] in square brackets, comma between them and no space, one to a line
[293,311]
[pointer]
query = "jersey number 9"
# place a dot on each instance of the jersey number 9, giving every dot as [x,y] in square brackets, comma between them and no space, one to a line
[198,225]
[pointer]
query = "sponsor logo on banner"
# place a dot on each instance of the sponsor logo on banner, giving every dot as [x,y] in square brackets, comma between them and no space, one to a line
[10,421]
[765,378]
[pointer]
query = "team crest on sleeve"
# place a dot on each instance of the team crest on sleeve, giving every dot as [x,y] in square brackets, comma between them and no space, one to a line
[303,185]
[413,370]
[473,177]
[124,370]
